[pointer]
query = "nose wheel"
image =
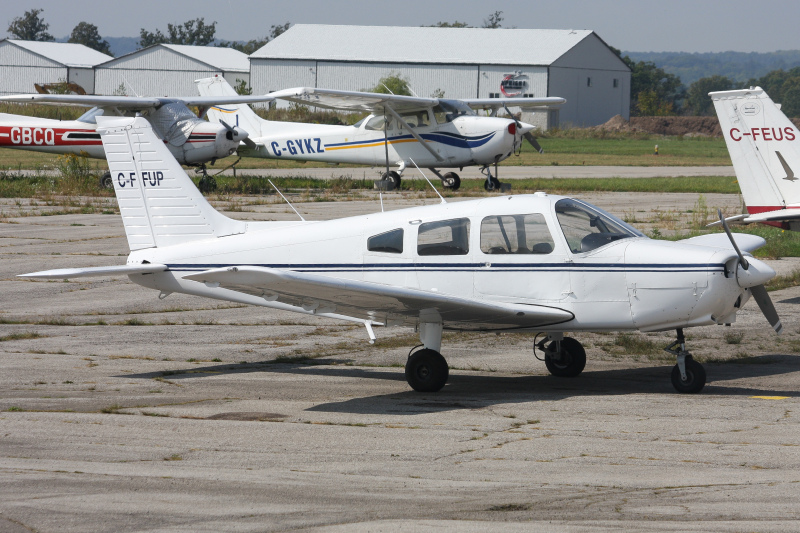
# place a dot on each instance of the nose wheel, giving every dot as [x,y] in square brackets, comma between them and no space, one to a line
[492,183]
[688,376]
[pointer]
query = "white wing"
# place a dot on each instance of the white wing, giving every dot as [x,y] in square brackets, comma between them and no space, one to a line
[130,102]
[498,103]
[376,302]
[354,100]
[68,273]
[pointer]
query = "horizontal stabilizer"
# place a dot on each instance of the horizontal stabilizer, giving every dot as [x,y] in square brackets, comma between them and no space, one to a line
[378,302]
[68,273]
[745,241]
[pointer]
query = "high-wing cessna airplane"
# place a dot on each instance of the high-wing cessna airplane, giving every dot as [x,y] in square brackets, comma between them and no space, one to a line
[401,130]
[191,140]
[765,149]
[535,263]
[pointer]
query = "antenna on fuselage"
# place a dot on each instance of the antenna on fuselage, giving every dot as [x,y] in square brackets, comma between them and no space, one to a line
[287,201]
[429,181]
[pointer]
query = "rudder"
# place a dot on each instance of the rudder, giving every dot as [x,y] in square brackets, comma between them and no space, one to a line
[159,203]
[764,147]
[233,114]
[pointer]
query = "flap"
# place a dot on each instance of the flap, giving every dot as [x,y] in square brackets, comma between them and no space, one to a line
[66,273]
[377,302]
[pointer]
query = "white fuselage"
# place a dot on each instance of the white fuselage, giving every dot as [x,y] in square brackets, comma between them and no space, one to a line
[466,140]
[633,283]
[206,142]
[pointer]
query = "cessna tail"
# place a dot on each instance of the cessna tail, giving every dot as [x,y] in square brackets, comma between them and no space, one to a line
[764,146]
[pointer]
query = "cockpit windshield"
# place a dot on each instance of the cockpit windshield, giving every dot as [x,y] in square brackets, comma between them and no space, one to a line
[90,117]
[587,227]
[448,110]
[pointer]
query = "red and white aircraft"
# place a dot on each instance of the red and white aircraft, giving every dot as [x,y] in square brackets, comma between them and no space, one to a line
[191,140]
[765,149]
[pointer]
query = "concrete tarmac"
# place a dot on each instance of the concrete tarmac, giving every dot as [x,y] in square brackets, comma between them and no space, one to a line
[122,412]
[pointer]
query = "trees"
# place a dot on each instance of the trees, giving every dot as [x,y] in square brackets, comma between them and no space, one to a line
[192,32]
[783,86]
[494,20]
[87,34]
[29,27]
[254,44]
[697,100]
[393,84]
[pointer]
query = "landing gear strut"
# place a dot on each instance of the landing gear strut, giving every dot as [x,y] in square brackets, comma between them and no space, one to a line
[450,181]
[688,376]
[564,357]
[492,183]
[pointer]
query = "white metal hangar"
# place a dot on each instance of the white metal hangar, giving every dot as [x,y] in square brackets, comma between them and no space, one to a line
[460,62]
[169,70]
[24,63]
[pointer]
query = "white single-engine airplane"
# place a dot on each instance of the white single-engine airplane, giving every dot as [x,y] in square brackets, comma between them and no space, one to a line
[536,263]
[765,149]
[191,140]
[432,132]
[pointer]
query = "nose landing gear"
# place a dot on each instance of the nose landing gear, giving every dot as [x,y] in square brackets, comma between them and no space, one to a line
[688,376]
[492,183]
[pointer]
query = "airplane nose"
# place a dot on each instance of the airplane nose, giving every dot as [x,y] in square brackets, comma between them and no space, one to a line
[757,272]
[524,127]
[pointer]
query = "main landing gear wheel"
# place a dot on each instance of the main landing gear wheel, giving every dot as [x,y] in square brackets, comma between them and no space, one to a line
[451,181]
[207,184]
[569,361]
[392,176]
[492,184]
[106,182]
[695,377]
[426,371]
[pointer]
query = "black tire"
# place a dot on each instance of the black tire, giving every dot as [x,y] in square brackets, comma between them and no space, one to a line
[572,359]
[495,184]
[695,377]
[392,176]
[451,181]
[426,371]
[106,182]
[207,184]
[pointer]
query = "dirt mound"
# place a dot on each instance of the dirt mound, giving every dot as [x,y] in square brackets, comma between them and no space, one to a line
[691,126]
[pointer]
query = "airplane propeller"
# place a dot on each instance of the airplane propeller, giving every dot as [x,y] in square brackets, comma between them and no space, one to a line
[744,277]
[528,136]
[231,133]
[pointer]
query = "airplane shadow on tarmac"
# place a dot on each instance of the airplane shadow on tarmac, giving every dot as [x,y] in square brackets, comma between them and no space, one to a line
[477,390]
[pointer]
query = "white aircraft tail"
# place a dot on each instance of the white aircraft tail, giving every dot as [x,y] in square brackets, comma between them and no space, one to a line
[764,146]
[233,114]
[159,203]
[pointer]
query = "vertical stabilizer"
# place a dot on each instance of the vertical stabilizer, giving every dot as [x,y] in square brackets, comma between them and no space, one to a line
[240,115]
[159,203]
[764,146]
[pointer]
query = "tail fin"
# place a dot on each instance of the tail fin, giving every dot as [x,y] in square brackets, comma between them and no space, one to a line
[160,205]
[234,114]
[764,146]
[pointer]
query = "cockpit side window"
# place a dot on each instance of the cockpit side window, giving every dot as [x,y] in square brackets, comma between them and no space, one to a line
[448,110]
[377,123]
[390,242]
[586,227]
[444,237]
[516,234]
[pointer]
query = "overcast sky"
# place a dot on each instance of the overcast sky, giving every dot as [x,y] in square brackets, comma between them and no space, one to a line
[632,25]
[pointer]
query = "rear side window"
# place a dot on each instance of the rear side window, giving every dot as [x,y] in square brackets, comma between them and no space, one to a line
[445,237]
[390,242]
[516,234]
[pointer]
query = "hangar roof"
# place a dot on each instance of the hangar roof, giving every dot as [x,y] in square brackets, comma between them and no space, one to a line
[68,54]
[400,44]
[217,57]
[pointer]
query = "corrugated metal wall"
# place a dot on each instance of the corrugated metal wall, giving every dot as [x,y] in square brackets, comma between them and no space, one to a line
[590,103]
[492,75]
[110,81]
[271,75]
[83,77]
[21,69]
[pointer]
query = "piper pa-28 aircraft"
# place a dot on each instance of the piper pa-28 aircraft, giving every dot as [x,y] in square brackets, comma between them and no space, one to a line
[433,132]
[536,263]
[191,140]
[765,149]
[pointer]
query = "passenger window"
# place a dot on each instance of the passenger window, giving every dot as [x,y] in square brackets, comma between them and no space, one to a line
[516,234]
[446,237]
[390,242]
